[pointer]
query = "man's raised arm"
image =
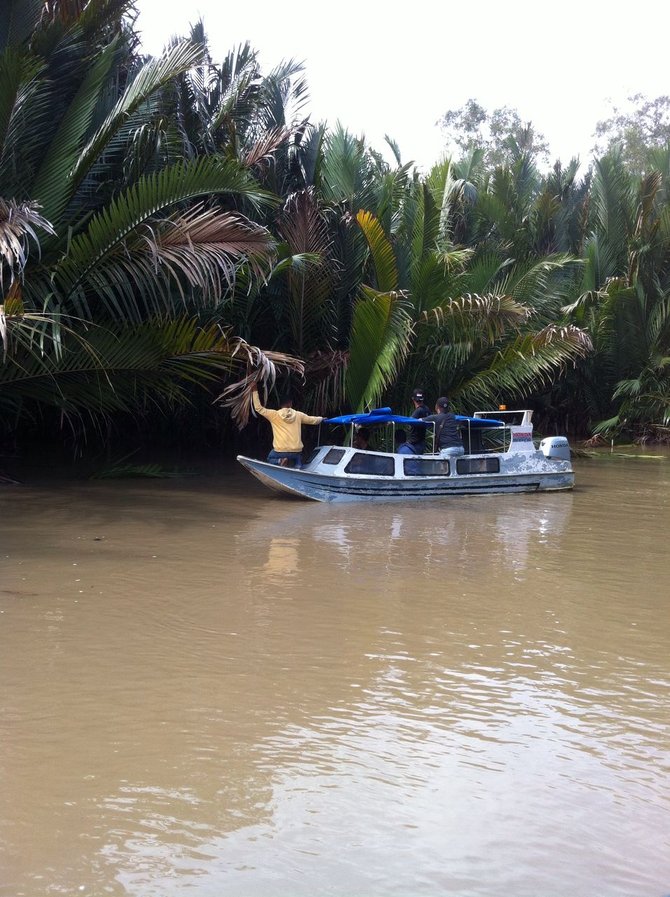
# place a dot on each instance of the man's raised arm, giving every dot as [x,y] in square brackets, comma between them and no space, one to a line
[256,400]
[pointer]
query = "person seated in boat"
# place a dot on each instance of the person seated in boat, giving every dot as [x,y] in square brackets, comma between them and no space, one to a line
[361,438]
[402,446]
[447,438]
[417,435]
[286,430]
[367,464]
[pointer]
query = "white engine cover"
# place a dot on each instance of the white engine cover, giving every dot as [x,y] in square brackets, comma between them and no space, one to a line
[556,447]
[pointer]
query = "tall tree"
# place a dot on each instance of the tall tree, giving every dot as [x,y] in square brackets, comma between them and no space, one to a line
[637,128]
[502,134]
[129,232]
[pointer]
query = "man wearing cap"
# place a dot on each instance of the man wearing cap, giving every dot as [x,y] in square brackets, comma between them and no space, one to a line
[447,438]
[417,435]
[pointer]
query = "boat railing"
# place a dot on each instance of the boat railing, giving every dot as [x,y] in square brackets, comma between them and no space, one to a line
[519,418]
[481,439]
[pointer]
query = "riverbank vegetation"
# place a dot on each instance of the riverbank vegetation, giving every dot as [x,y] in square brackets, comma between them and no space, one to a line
[171,226]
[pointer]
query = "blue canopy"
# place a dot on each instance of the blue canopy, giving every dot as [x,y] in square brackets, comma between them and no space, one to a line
[385,416]
[374,418]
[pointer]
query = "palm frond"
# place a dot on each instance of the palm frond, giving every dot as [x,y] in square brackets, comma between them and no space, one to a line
[491,315]
[18,225]
[540,282]
[204,248]
[530,362]
[260,367]
[383,258]
[345,173]
[18,18]
[261,153]
[23,103]
[612,207]
[54,184]
[108,231]
[151,77]
[123,369]
[325,373]
[308,238]
[380,334]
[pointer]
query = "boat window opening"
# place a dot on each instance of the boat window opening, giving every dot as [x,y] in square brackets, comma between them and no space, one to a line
[426,467]
[312,455]
[494,440]
[478,465]
[472,440]
[376,465]
[334,456]
[511,418]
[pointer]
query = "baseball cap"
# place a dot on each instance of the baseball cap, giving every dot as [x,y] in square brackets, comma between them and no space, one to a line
[442,402]
[417,394]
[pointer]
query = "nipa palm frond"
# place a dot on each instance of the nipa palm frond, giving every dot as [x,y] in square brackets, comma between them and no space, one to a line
[262,151]
[529,362]
[153,75]
[206,247]
[18,224]
[108,231]
[386,272]
[486,317]
[111,370]
[260,367]
[380,336]
[310,273]
[326,375]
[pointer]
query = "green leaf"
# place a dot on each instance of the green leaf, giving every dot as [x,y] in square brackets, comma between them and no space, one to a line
[18,18]
[152,76]
[383,258]
[136,206]
[54,182]
[380,334]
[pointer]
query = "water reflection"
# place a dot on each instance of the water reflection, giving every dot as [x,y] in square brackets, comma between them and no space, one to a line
[504,534]
[249,696]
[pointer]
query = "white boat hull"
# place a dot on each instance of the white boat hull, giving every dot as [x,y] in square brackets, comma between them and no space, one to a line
[529,472]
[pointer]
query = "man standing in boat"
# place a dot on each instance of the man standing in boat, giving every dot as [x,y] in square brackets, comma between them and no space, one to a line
[286,430]
[447,438]
[417,435]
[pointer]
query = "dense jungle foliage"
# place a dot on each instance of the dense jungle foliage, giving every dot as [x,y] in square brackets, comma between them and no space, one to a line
[160,218]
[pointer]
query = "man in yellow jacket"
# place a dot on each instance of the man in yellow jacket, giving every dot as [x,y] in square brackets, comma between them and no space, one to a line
[286,430]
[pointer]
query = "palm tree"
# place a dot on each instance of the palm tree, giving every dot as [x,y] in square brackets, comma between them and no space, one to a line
[131,240]
[476,324]
[625,300]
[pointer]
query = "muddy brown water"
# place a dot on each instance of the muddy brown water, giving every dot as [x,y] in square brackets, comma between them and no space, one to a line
[208,690]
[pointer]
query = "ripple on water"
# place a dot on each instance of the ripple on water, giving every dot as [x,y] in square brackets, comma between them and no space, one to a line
[236,695]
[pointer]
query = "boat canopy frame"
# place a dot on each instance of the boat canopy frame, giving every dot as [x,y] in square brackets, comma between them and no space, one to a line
[385,416]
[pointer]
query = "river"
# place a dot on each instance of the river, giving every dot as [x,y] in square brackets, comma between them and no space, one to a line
[209,690]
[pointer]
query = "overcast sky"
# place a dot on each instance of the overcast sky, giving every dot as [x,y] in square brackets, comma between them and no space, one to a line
[396,68]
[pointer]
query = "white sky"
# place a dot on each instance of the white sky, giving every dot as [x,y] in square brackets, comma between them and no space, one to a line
[391,68]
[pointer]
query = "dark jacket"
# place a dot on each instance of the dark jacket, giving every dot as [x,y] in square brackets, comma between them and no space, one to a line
[447,429]
[417,435]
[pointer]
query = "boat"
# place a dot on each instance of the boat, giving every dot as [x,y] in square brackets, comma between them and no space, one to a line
[500,456]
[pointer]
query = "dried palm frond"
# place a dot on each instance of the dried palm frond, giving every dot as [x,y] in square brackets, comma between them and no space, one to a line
[27,329]
[207,246]
[261,367]
[567,335]
[18,222]
[262,152]
[326,373]
[304,229]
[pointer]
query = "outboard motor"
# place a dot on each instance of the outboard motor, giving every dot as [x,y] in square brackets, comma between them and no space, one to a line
[555,447]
